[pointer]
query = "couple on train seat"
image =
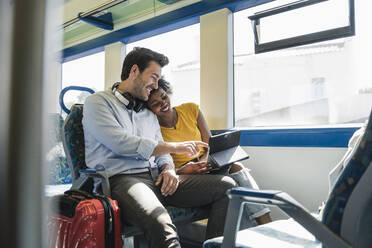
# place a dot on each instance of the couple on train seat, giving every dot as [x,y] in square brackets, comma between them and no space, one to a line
[125,136]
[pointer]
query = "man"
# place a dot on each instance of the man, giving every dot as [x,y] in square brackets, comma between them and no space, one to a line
[124,137]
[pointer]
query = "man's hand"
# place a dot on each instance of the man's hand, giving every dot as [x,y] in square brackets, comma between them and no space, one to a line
[190,148]
[200,167]
[170,180]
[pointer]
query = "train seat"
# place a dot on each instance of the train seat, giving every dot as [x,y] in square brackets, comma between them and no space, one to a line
[58,169]
[86,179]
[346,220]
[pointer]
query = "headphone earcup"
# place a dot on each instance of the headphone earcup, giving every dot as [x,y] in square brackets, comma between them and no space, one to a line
[133,104]
[128,100]
[131,101]
[139,105]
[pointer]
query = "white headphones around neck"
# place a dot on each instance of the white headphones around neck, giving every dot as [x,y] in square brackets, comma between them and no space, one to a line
[128,100]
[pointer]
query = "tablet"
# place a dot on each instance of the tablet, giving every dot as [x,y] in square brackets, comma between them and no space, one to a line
[224,149]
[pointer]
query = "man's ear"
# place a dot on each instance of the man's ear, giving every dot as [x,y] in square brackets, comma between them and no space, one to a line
[134,71]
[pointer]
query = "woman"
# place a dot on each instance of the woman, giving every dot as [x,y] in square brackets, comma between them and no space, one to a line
[186,122]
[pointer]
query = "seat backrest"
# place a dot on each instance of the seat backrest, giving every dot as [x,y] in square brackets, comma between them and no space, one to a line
[351,182]
[58,169]
[73,141]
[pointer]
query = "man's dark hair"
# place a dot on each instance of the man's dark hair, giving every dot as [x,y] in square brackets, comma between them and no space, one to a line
[165,85]
[141,57]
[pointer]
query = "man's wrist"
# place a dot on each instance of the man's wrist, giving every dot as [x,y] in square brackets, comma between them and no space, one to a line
[164,148]
[172,147]
[167,167]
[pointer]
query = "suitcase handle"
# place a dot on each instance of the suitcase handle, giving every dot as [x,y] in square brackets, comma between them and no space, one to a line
[79,193]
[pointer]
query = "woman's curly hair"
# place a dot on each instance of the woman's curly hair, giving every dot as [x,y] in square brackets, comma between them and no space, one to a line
[165,85]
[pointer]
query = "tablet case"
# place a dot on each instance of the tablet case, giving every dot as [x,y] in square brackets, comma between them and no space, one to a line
[224,149]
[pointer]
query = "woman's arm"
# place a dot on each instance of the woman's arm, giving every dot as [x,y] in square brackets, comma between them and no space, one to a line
[205,133]
[194,168]
[201,166]
[203,127]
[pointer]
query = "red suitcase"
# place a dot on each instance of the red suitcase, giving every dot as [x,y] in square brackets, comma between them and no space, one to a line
[78,219]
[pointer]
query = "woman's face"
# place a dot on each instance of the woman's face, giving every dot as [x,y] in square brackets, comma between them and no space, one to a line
[159,103]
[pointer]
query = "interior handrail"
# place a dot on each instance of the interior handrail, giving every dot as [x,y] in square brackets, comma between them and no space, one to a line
[63,92]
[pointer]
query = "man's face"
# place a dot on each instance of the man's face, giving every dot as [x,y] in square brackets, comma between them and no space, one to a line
[147,81]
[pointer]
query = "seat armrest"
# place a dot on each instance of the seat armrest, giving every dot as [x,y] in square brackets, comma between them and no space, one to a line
[239,196]
[268,197]
[100,178]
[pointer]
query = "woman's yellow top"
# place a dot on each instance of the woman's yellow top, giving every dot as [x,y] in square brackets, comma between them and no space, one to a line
[186,130]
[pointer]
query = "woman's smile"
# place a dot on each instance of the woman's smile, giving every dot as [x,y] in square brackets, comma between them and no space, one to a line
[166,108]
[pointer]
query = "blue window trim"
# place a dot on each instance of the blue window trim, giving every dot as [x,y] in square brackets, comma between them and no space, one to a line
[176,19]
[75,54]
[298,137]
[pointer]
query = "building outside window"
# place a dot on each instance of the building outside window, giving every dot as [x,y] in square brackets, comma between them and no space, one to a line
[323,83]
[88,71]
[182,47]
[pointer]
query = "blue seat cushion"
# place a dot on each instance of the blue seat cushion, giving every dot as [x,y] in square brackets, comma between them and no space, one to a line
[180,215]
[58,169]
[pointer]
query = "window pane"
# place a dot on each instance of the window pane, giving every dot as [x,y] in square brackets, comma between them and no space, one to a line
[88,71]
[318,84]
[182,47]
[313,18]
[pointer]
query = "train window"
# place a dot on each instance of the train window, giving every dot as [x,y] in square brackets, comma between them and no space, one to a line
[182,46]
[87,71]
[278,28]
[322,83]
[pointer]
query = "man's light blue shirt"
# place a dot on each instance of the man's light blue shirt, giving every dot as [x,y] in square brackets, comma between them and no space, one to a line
[120,139]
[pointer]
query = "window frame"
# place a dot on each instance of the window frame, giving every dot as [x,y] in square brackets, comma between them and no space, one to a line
[300,40]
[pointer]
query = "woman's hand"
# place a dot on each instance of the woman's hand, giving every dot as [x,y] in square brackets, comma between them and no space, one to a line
[195,168]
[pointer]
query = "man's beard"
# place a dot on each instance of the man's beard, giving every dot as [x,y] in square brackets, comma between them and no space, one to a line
[139,87]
